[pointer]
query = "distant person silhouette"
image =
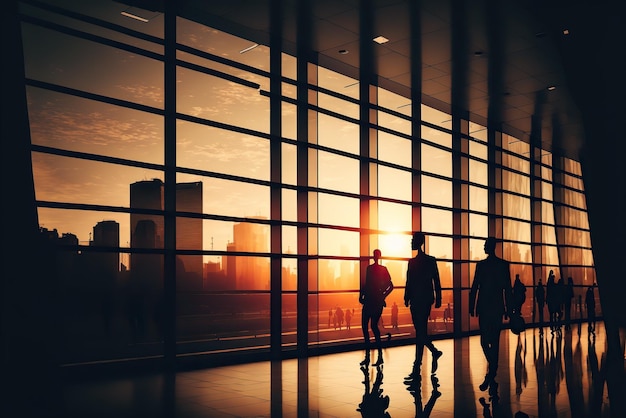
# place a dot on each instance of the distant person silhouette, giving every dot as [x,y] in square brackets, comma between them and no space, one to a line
[560,291]
[330,316]
[394,315]
[423,288]
[340,316]
[553,299]
[372,296]
[590,304]
[519,295]
[490,299]
[568,295]
[540,298]
[348,316]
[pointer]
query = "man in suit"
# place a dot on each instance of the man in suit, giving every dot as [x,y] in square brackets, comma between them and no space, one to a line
[372,296]
[423,288]
[490,298]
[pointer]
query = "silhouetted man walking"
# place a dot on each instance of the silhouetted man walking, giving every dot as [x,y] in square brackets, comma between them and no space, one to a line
[377,286]
[540,297]
[490,298]
[423,288]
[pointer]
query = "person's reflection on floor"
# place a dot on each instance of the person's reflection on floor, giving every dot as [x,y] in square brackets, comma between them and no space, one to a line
[573,376]
[540,369]
[374,404]
[415,388]
[596,378]
[486,407]
[521,375]
[554,372]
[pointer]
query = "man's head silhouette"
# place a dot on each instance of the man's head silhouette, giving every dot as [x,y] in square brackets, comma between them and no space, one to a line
[418,240]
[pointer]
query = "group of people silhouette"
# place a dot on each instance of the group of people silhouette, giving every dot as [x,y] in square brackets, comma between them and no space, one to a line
[558,297]
[492,299]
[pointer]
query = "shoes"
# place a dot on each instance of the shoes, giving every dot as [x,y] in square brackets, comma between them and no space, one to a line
[485,384]
[365,361]
[379,361]
[436,356]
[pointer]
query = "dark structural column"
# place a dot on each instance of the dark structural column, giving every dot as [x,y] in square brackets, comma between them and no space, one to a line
[460,170]
[275,178]
[415,16]
[303,55]
[366,69]
[30,329]
[276,25]
[169,261]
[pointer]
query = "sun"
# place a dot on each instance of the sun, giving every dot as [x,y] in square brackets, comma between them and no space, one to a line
[395,245]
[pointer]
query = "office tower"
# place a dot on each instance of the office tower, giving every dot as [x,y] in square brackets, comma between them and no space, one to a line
[149,194]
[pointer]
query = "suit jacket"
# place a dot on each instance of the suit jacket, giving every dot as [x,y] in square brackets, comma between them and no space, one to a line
[491,289]
[423,285]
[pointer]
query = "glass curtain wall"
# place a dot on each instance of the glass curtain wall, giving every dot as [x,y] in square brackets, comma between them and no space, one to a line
[95,83]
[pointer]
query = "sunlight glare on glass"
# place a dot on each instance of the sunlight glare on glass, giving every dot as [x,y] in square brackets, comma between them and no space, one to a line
[394,245]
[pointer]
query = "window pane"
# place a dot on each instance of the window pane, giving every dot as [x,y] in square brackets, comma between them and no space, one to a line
[436,117]
[50,56]
[80,225]
[222,151]
[289,120]
[478,172]
[337,82]
[515,182]
[219,43]
[338,173]
[477,131]
[338,210]
[76,124]
[478,150]
[394,101]
[437,161]
[236,198]
[478,225]
[516,206]
[394,122]
[515,145]
[338,134]
[337,105]
[437,136]
[479,199]
[56,180]
[436,191]
[338,243]
[437,221]
[394,149]
[394,183]
[338,275]
[221,100]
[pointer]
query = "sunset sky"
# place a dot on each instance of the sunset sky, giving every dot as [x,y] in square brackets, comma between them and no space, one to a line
[87,126]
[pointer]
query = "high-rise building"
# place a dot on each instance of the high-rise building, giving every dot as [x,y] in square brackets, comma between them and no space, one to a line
[148,230]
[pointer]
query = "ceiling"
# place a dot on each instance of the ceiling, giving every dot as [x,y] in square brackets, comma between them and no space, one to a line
[505,38]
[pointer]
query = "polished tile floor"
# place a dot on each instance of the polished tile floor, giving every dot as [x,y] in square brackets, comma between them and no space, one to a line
[549,374]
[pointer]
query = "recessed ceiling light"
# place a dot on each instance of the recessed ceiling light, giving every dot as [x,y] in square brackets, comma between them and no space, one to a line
[381,39]
[565,31]
[134,16]
[139,14]
[550,88]
[250,48]
[343,51]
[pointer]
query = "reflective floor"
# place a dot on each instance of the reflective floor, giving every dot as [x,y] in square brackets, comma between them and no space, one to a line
[549,374]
